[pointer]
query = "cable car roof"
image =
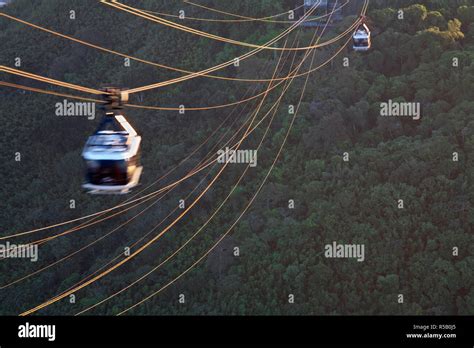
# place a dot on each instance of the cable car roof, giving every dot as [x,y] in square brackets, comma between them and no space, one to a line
[360,35]
[113,145]
[362,32]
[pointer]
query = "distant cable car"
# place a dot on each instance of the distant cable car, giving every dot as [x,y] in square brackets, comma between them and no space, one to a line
[362,38]
[112,154]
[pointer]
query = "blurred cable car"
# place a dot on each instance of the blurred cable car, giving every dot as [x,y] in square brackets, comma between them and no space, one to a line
[112,155]
[362,38]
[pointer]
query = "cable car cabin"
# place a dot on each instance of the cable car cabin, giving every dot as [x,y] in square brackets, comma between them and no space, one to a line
[112,158]
[361,38]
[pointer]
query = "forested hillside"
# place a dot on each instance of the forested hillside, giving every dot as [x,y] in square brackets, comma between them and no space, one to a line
[426,57]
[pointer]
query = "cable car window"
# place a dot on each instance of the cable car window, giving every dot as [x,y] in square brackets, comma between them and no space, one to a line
[361,42]
[107,172]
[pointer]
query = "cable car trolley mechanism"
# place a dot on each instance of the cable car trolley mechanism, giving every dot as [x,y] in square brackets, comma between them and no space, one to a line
[112,153]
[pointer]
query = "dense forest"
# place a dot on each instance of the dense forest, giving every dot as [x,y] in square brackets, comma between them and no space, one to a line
[340,176]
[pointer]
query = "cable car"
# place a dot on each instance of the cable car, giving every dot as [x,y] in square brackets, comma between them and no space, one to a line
[112,156]
[362,38]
